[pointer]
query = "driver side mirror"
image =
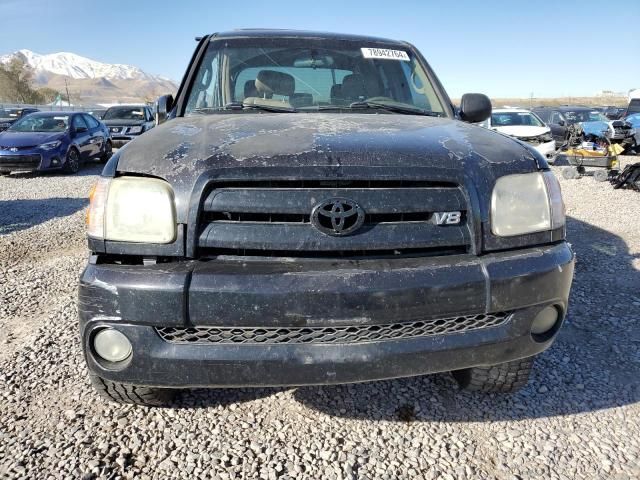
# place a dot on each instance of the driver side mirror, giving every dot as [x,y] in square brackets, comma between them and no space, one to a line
[475,107]
[81,129]
[164,104]
[561,123]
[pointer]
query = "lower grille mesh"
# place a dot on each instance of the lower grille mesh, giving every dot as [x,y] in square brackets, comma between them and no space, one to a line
[330,335]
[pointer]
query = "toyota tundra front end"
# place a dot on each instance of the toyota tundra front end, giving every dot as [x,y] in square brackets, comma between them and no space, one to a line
[314,211]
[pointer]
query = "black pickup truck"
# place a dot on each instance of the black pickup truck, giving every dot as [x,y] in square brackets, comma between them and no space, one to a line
[312,209]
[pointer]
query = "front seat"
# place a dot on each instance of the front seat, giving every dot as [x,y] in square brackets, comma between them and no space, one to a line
[269,83]
[250,89]
[356,87]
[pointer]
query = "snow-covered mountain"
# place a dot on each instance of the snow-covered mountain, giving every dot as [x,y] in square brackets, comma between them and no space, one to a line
[76,66]
[92,81]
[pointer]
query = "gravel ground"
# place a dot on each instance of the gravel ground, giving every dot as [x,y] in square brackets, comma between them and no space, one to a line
[577,419]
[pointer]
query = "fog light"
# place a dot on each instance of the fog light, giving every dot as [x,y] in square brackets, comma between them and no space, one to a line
[544,321]
[112,345]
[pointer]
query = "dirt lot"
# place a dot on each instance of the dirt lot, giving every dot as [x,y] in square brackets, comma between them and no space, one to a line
[578,418]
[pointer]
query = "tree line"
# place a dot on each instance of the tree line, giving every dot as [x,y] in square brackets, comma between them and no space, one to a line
[16,85]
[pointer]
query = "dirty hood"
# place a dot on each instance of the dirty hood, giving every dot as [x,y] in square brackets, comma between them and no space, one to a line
[183,150]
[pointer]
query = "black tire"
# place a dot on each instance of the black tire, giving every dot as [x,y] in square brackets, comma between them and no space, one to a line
[138,395]
[503,378]
[570,173]
[108,151]
[600,175]
[4,173]
[72,162]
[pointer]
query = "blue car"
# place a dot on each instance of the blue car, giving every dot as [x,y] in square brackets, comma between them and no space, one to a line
[634,120]
[53,141]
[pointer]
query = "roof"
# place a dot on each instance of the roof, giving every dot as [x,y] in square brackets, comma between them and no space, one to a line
[54,113]
[565,108]
[277,33]
[509,109]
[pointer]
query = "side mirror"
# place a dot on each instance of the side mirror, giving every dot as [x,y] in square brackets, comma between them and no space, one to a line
[164,104]
[561,123]
[475,107]
[81,129]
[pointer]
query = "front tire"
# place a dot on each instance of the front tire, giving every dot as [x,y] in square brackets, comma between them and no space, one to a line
[506,377]
[132,394]
[108,151]
[72,162]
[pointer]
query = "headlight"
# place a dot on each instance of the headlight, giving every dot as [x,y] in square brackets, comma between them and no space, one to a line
[132,209]
[50,145]
[134,130]
[526,203]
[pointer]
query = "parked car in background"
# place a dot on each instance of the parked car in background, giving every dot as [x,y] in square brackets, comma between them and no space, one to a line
[634,107]
[634,120]
[9,115]
[126,122]
[524,125]
[613,113]
[53,141]
[592,121]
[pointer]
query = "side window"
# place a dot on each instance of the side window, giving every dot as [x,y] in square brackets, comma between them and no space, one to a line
[78,122]
[544,115]
[92,122]
[206,91]
[555,118]
[416,86]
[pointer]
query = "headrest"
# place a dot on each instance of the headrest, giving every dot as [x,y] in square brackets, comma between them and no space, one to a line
[336,91]
[356,86]
[270,82]
[301,100]
[250,89]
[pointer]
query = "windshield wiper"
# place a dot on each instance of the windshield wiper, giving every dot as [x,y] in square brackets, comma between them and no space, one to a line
[246,106]
[259,106]
[392,107]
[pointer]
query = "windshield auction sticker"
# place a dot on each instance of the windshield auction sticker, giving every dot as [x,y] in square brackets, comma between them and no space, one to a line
[385,53]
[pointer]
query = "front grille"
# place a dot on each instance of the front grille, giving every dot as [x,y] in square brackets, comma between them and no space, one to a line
[11,148]
[331,335]
[19,162]
[263,217]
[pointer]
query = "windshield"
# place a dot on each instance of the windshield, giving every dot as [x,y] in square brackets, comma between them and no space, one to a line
[584,116]
[124,113]
[41,123]
[508,119]
[309,75]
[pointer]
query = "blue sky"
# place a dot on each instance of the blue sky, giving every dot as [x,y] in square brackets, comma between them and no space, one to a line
[501,48]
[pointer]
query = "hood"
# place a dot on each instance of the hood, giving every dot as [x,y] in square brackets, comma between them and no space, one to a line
[114,122]
[295,145]
[28,139]
[522,131]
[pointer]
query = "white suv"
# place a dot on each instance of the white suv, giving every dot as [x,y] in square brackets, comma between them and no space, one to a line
[525,126]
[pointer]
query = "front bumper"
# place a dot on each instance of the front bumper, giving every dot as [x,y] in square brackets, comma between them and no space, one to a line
[136,299]
[548,149]
[120,140]
[31,160]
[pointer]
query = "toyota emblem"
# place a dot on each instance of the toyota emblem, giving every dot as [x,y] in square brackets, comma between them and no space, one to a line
[337,216]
